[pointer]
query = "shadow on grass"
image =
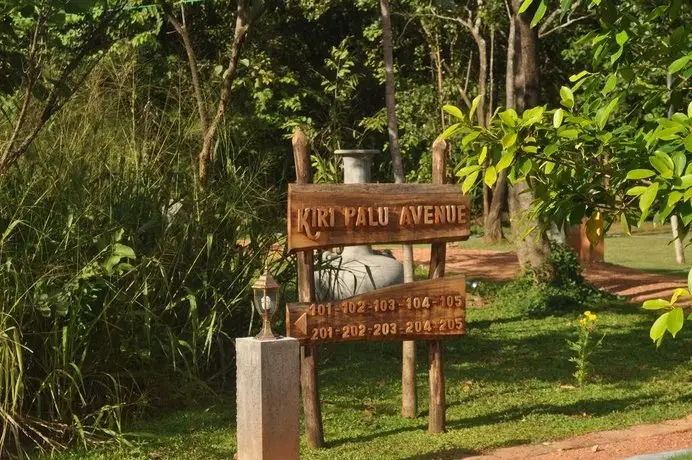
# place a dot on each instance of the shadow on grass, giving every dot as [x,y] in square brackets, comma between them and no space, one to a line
[592,407]
[444,455]
[513,353]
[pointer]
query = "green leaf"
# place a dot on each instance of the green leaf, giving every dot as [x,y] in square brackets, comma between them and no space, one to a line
[627,73]
[468,170]
[661,166]
[540,12]
[647,198]
[667,134]
[505,160]
[673,197]
[453,111]
[640,174]
[557,117]
[490,176]
[123,251]
[686,181]
[679,64]
[621,37]
[509,140]
[470,137]
[474,106]
[689,110]
[688,143]
[655,304]
[509,117]
[550,149]
[469,182]
[483,155]
[679,162]
[603,114]
[529,148]
[659,328]
[525,5]
[533,115]
[451,130]
[675,319]
[610,84]
[677,293]
[566,97]
[616,55]
[689,280]
[636,191]
[548,167]
[626,227]
[569,133]
[579,76]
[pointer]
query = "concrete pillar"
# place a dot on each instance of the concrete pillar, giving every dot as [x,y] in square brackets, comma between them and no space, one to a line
[268,385]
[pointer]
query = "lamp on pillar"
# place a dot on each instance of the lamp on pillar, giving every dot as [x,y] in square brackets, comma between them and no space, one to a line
[266,295]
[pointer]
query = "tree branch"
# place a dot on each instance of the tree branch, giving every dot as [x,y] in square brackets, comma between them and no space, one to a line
[558,12]
[566,24]
[244,18]
[181,29]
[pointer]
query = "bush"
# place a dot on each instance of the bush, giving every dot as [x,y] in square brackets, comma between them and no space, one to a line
[121,284]
[556,289]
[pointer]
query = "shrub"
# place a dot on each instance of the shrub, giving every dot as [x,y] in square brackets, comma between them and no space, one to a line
[121,284]
[556,289]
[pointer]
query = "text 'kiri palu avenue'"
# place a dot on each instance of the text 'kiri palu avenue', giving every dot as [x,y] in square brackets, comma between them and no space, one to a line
[313,219]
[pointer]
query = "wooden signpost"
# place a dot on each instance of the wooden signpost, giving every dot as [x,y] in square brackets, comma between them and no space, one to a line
[323,216]
[329,215]
[419,310]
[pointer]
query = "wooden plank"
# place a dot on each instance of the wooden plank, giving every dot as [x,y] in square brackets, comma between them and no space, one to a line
[327,215]
[312,409]
[438,255]
[419,310]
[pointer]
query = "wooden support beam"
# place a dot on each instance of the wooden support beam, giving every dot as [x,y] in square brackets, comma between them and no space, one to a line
[306,293]
[438,254]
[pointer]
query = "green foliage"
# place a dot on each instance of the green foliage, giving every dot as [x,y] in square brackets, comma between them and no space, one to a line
[555,289]
[121,287]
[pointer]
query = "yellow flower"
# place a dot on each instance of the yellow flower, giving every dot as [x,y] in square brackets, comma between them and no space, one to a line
[590,316]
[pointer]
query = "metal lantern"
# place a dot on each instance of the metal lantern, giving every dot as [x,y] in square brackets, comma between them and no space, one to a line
[266,296]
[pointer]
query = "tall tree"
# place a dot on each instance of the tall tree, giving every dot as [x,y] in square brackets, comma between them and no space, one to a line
[530,239]
[409,403]
[245,15]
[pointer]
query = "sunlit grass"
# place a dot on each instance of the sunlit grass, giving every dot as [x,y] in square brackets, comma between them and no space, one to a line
[503,387]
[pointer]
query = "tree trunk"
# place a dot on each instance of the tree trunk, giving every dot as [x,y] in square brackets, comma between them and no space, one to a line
[181,28]
[242,25]
[409,404]
[529,236]
[492,223]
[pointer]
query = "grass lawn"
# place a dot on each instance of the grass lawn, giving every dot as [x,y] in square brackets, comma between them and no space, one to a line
[648,252]
[645,251]
[503,388]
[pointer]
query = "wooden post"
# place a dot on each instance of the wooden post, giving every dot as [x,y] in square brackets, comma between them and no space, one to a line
[438,254]
[306,293]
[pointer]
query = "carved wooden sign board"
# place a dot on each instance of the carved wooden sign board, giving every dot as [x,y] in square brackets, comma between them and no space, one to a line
[419,310]
[330,215]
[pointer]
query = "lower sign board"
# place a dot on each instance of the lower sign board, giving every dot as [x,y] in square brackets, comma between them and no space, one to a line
[420,310]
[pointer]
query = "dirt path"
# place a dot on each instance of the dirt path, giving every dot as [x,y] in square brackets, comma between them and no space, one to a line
[642,439]
[636,285]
